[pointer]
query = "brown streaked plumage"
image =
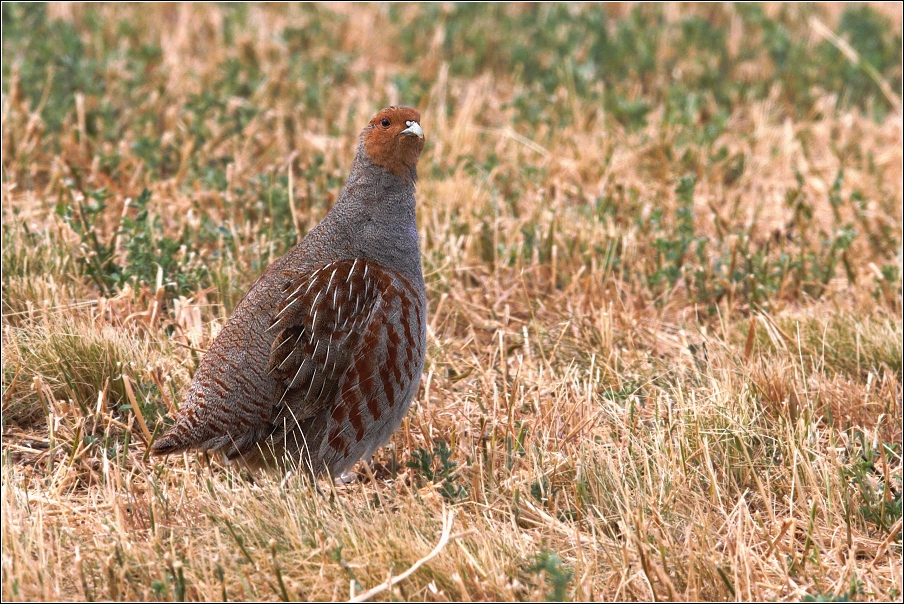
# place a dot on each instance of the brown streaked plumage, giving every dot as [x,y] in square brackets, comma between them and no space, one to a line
[321,359]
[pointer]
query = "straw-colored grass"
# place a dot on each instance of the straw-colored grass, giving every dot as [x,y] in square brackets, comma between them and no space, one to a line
[663,254]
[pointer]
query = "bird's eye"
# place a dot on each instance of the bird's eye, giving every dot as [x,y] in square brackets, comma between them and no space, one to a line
[384,122]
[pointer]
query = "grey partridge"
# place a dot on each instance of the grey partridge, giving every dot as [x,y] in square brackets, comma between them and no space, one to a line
[320,360]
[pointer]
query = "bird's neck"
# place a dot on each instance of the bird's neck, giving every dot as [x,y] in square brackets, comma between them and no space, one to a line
[363,169]
[377,210]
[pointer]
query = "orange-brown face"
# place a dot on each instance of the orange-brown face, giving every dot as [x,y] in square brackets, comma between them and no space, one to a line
[394,139]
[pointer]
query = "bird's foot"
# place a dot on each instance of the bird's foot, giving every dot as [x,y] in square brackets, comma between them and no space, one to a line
[347,477]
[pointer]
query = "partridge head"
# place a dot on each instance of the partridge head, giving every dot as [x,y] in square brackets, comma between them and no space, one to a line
[320,360]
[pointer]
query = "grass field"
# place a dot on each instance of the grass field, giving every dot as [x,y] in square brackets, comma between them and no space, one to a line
[662,247]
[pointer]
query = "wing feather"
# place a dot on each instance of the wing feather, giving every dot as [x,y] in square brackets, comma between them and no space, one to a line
[318,328]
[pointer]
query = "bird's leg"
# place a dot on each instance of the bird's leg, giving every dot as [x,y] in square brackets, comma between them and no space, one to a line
[350,476]
[347,477]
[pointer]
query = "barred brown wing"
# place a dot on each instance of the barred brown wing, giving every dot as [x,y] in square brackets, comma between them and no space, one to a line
[346,340]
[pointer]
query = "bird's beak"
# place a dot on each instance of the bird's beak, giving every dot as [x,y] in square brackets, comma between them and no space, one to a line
[413,129]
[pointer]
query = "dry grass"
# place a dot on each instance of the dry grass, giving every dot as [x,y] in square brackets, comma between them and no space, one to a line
[664,283]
